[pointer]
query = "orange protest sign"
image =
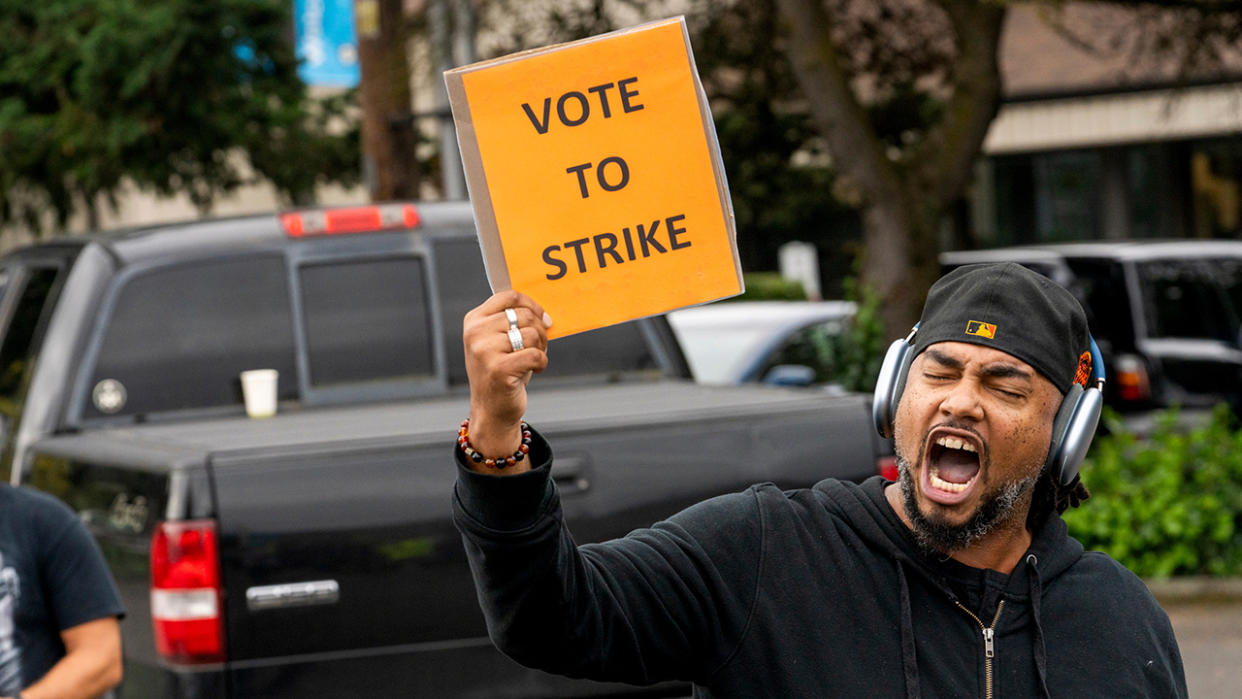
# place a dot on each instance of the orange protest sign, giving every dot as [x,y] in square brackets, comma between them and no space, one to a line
[596,177]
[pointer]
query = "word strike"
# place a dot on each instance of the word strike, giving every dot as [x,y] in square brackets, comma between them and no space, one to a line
[643,241]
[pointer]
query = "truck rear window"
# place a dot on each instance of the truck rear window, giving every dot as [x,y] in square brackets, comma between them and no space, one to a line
[611,351]
[367,320]
[179,337]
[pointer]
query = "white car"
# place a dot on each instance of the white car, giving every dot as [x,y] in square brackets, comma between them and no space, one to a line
[776,342]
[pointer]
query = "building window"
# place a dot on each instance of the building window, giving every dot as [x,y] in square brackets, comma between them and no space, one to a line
[1215,169]
[1067,195]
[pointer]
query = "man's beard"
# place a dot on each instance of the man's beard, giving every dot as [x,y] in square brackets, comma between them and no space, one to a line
[936,534]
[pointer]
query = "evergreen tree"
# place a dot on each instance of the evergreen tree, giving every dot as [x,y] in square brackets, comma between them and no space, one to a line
[166,93]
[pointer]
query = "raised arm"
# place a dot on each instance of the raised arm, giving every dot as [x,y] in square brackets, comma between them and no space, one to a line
[667,602]
[499,373]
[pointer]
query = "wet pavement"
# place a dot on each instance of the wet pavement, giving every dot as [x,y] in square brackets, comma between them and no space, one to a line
[1209,634]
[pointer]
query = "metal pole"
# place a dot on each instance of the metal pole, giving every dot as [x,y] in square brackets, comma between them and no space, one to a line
[450,48]
[463,32]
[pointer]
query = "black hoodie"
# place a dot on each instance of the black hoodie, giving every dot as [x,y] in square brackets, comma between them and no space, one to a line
[819,592]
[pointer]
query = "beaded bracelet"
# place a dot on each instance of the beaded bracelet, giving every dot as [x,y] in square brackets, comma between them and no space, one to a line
[463,441]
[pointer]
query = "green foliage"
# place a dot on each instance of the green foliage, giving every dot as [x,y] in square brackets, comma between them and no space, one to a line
[862,347]
[770,286]
[164,92]
[1167,505]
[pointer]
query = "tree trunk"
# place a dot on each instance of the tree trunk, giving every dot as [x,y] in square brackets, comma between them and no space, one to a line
[902,200]
[899,260]
[388,136]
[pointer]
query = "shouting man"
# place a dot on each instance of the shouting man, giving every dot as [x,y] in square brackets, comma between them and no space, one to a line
[958,580]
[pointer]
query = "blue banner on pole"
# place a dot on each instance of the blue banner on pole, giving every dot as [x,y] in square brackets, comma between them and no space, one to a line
[326,42]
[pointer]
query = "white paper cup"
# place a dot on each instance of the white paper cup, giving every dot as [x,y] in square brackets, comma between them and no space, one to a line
[259,390]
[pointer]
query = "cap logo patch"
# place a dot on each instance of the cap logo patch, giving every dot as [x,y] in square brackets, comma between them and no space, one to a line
[981,329]
[1083,375]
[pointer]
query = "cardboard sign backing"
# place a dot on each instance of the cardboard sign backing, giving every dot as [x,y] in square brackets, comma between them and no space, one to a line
[595,177]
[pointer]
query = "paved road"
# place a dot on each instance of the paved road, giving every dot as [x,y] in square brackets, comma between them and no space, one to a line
[1210,637]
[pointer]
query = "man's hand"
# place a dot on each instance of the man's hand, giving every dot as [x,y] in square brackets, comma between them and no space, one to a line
[498,374]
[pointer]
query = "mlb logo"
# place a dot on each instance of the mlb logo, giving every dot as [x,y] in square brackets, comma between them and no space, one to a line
[981,329]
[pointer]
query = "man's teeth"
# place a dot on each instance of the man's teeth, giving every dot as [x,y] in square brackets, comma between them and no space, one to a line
[955,443]
[941,484]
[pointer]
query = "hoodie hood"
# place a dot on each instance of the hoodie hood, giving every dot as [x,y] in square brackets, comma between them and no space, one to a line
[1051,553]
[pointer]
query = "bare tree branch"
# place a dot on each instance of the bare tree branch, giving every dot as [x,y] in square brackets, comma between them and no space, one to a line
[944,162]
[856,152]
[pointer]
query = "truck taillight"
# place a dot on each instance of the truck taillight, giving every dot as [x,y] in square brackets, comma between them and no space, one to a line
[359,219]
[185,592]
[1130,377]
[887,466]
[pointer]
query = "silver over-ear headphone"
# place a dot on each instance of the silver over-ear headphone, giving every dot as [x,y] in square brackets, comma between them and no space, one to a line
[1072,429]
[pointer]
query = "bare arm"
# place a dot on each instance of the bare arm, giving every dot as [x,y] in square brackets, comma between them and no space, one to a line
[498,375]
[91,666]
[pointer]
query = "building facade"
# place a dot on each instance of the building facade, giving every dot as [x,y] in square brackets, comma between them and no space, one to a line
[1102,144]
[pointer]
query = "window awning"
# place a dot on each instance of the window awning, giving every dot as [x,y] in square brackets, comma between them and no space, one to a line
[1116,119]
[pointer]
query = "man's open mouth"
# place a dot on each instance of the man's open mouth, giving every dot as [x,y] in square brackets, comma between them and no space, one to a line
[952,466]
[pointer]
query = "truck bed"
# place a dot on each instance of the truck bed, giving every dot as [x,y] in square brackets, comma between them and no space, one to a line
[576,409]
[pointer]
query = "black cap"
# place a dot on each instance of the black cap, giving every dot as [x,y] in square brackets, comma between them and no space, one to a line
[1015,310]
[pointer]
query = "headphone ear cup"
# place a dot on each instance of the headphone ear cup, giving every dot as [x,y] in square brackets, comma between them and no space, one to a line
[1072,431]
[902,374]
[888,386]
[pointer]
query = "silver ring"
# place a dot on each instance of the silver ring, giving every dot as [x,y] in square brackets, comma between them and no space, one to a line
[515,339]
[512,316]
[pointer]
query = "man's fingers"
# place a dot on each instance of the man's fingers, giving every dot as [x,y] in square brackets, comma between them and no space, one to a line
[520,300]
[497,353]
[498,302]
[516,300]
[533,334]
[530,327]
[529,360]
[490,342]
[525,318]
[520,364]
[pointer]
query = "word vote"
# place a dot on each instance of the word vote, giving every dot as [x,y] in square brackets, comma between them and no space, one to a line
[573,108]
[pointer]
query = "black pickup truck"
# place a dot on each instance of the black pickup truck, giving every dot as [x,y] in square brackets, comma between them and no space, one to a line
[311,554]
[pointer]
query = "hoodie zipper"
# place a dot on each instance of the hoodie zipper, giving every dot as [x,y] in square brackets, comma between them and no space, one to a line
[989,646]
